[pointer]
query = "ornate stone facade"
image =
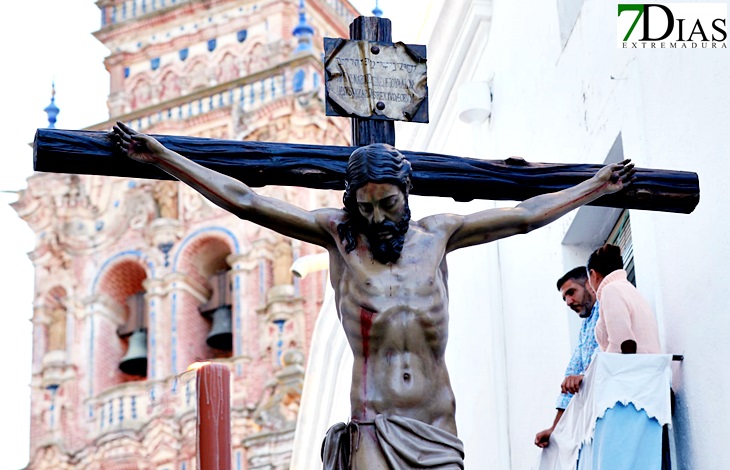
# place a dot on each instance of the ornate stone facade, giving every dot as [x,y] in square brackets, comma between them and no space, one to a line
[215,68]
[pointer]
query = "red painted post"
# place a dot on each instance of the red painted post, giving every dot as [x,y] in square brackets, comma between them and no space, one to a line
[213,385]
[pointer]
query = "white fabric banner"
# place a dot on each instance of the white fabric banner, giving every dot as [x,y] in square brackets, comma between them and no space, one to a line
[641,379]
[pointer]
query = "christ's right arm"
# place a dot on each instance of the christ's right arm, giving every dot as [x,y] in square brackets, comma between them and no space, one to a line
[227,192]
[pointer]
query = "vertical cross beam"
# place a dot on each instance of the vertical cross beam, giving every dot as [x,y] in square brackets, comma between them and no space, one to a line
[366,131]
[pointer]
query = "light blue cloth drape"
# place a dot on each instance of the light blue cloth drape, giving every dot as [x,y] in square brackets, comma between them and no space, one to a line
[616,436]
[625,439]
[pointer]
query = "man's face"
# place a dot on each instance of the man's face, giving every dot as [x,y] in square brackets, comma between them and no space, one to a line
[578,297]
[384,208]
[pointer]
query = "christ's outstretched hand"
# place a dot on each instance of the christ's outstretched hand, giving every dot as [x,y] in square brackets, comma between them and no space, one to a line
[137,146]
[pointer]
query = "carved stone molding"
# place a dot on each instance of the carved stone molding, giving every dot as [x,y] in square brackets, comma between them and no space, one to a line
[183,282]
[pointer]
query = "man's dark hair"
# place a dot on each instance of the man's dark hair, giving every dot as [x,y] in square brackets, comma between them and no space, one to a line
[606,260]
[374,163]
[579,275]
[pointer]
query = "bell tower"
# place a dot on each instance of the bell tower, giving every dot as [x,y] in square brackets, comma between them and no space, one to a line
[136,279]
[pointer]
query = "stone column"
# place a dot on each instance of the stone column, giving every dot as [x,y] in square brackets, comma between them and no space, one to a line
[243,277]
[187,327]
[104,349]
[158,327]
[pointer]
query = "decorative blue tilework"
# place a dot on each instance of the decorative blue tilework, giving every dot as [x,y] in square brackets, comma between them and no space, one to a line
[279,343]
[298,82]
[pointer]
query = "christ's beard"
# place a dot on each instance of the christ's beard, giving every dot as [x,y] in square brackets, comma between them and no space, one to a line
[387,250]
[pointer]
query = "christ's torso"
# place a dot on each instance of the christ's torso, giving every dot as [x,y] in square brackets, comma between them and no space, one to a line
[396,320]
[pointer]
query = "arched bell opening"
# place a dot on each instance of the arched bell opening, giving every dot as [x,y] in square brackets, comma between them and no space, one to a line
[218,311]
[206,329]
[120,333]
[134,331]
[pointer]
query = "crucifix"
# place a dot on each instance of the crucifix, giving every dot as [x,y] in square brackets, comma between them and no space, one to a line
[388,271]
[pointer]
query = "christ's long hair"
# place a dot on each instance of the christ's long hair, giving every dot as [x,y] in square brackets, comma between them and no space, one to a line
[375,163]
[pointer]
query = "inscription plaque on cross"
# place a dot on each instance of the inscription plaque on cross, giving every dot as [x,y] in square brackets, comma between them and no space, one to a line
[375,80]
[369,37]
[388,272]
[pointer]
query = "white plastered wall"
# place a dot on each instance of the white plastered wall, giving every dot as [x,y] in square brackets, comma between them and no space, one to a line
[555,102]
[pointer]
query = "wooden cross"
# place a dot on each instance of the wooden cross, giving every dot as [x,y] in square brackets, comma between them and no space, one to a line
[323,167]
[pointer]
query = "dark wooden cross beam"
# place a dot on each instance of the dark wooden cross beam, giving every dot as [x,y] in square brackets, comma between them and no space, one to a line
[323,167]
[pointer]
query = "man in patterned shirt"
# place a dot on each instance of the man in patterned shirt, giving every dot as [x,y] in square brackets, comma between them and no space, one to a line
[580,297]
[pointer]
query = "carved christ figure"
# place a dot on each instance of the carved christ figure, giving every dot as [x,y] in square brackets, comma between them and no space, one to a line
[389,276]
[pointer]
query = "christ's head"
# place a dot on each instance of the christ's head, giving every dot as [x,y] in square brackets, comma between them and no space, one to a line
[376,200]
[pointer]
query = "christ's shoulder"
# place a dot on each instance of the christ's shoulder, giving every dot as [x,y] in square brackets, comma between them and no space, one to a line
[330,218]
[443,224]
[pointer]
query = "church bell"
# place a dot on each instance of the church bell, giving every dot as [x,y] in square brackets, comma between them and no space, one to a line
[135,361]
[221,330]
